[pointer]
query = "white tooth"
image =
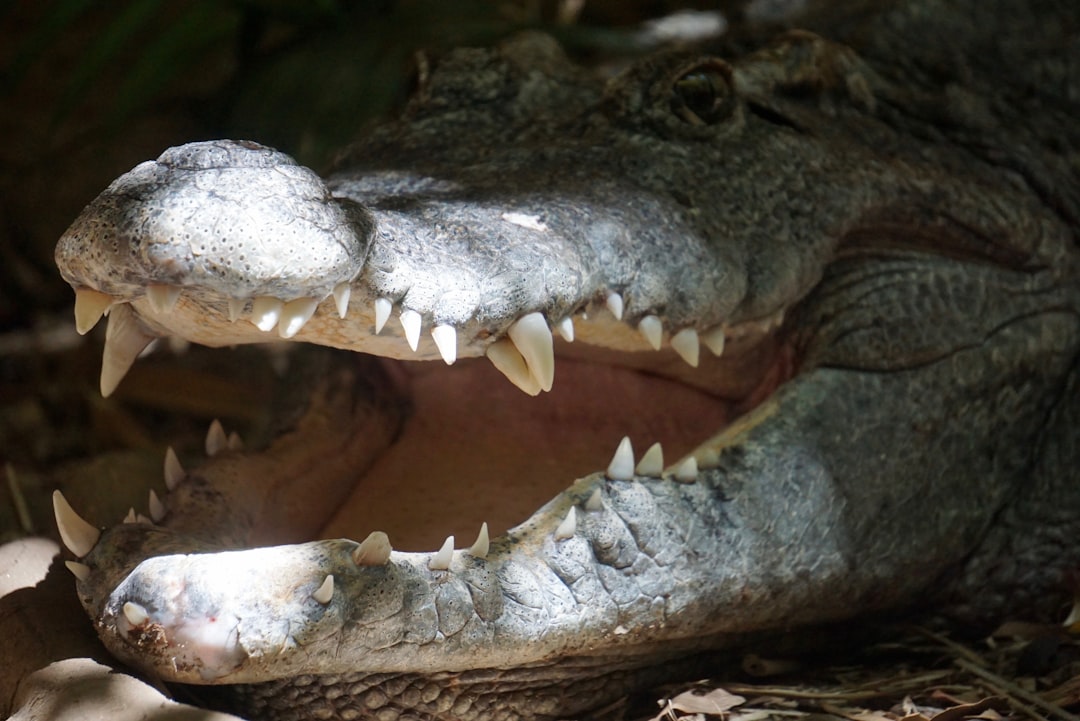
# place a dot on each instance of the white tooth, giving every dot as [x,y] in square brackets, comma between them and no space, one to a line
[374,550]
[707,458]
[653,330]
[442,558]
[325,592]
[687,471]
[80,570]
[78,535]
[235,442]
[140,518]
[157,508]
[90,305]
[532,337]
[445,338]
[174,472]
[294,315]
[178,345]
[714,340]
[236,308]
[383,306]
[341,293]
[130,517]
[410,322]
[135,614]
[568,527]
[1074,614]
[480,548]
[265,312]
[595,502]
[504,355]
[615,305]
[621,467]
[685,343]
[216,441]
[566,329]
[162,297]
[652,463]
[124,341]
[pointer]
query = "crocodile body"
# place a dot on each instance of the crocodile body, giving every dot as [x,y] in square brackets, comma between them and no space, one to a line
[840,276]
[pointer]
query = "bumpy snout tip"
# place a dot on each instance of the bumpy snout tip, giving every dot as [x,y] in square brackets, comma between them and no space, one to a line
[232,216]
[214,617]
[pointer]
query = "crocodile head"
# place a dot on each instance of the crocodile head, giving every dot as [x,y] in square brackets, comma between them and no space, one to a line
[798,291]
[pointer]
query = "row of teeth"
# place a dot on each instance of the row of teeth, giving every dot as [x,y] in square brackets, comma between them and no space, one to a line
[80,537]
[526,356]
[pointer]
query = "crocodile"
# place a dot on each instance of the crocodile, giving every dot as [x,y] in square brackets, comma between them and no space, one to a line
[835,273]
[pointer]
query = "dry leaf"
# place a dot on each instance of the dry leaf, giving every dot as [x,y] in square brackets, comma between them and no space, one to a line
[714,703]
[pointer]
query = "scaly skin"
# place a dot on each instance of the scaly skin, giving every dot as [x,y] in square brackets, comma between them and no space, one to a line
[901,435]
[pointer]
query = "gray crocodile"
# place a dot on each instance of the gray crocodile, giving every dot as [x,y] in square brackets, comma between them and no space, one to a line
[834,274]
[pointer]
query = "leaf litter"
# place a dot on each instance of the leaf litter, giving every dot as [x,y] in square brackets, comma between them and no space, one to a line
[1022,671]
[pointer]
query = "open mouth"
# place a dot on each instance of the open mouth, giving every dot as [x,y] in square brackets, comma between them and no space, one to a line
[476,449]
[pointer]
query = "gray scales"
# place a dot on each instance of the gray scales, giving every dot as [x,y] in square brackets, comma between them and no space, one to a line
[846,259]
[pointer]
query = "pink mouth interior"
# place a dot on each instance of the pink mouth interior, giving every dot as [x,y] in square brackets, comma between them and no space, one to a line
[477,449]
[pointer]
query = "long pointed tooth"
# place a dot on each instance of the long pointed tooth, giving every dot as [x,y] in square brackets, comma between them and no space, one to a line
[714,340]
[342,291]
[135,614]
[157,508]
[80,570]
[216,440]
[504,355]
[90,305]
[653,330]
[374,550]
[687,471]
[131,517]
[383,306]
[174,472]
[124,341]
[652,463]
[568,527]
[442,558]
[78,535]
[685,343]
[480,547]
[532,337]
[235,442]
[266,312]
[621,467]
[566,329]
[236,308]
[595,502]
[1074,615]
[294,315]
[410,323]
[445,338]
[162,297]
[614,303]
[324,592]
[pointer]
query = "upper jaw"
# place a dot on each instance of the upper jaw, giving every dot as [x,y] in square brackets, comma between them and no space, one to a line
[229,242]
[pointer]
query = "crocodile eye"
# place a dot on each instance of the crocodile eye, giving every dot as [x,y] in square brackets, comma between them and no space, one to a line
[703,95]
